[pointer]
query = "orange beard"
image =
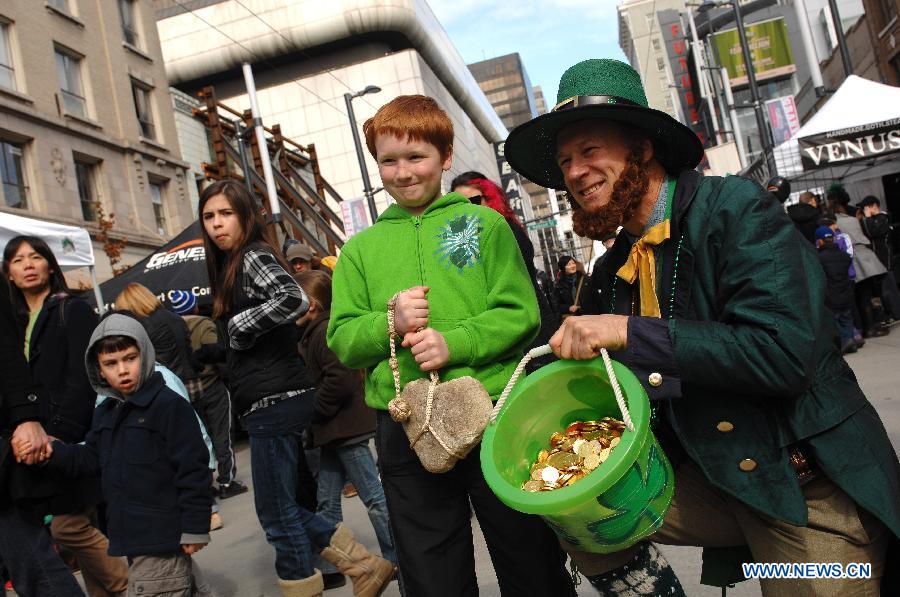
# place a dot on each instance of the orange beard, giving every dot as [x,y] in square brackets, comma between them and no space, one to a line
[627,194]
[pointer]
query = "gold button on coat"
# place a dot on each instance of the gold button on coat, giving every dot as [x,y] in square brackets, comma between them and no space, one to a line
[725,426]
[655,379]
[747,465]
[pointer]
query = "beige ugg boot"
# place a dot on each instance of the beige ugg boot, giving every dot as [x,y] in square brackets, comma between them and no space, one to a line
[311,586]
[370,573]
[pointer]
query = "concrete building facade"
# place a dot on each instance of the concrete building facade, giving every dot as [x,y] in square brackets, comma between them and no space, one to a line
[85,120]
[884,31]
[307,54]
[642,42]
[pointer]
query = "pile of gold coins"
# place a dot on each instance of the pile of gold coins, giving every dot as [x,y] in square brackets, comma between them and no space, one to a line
[584,446]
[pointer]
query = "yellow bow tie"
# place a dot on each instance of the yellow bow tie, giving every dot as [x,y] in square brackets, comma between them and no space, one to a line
[641,265]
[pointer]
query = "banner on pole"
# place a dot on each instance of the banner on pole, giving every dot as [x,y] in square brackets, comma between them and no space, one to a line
[770,51]
[783,118]
[355,213]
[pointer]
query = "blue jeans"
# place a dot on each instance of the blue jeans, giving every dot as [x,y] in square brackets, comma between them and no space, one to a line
[354,463]
[26,552]
[843,320]
[275,447]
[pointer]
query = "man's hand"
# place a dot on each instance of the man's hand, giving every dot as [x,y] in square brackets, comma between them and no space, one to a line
[32,442]
[582,337]
[574,309]
[429,348]
[411,310]
[192,548]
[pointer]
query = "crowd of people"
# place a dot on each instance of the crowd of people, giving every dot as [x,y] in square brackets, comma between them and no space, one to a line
[121,428]
[863,294]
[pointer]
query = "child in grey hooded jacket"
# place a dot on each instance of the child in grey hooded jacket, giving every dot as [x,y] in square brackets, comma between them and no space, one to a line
[146,443]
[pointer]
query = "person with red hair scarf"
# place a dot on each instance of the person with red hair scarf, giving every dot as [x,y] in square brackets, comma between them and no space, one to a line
[487,193]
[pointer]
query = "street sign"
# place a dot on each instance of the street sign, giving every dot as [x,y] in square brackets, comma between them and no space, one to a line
[544,224]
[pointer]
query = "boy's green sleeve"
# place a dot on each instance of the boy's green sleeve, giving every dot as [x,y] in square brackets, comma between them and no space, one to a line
[356,334]
[511,318]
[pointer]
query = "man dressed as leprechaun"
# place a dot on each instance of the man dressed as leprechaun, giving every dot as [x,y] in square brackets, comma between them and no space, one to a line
[715,302]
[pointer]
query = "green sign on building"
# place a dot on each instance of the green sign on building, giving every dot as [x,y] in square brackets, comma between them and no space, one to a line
[770,50]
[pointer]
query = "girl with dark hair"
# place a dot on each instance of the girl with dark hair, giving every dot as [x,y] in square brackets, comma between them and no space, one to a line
[342,424]
[56,328]
[259,302]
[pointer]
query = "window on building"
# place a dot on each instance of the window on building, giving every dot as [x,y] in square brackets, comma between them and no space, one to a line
[86,178]
[62,5]
[129,22]
[68,71]
[12,173]
[7,74]
[159,212]
[888,10]
[660,64]
[142,108]
[656,45]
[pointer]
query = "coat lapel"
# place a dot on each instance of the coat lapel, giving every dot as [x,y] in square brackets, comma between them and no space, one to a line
[685,191]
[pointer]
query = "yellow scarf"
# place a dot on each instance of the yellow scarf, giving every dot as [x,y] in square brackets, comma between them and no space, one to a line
[641,265]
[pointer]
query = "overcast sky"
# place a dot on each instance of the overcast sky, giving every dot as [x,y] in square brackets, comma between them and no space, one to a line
[550,35]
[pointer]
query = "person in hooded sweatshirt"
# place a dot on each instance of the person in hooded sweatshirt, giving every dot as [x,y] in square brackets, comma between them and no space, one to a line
[806,215]
[145,442]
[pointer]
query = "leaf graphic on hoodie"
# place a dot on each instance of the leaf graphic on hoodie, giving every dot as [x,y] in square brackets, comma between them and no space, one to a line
[459,242]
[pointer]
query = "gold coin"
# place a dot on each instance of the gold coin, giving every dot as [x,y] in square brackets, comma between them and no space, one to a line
[532,486]
[592,462]
[536,473]
[604,454]
[585,449]
[542,455]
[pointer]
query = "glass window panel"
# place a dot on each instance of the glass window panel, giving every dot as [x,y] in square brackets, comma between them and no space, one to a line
[158,211]
[143,110]
[84,176]
[11,173]
[62,5]
[129,24]
[7,75]
[68,70]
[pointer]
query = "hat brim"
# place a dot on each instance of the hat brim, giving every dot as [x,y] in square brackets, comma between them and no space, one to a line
[531,147]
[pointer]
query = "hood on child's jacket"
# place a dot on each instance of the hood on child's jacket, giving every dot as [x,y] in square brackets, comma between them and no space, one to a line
[119,325]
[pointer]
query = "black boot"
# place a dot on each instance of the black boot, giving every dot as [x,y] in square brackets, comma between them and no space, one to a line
[647,573]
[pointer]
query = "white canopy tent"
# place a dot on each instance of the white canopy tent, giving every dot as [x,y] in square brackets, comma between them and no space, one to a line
[70,244]
[850,134]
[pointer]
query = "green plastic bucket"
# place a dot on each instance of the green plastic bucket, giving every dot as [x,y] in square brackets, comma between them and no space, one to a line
[622,501]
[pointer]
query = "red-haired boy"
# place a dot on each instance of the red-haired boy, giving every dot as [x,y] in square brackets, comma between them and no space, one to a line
[470,310]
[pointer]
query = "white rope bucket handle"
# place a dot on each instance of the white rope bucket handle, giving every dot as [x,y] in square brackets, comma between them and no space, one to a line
[545,350]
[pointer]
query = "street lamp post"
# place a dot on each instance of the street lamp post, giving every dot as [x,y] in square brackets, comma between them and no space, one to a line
[764,136]
[367,185]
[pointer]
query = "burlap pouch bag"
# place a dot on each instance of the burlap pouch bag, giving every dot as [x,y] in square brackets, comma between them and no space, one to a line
[443,421]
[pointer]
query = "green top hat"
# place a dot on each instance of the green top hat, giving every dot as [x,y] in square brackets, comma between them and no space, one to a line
[599,89]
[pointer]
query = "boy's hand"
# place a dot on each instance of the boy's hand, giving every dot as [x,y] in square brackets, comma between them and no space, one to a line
[192,548]
[411,310]
[429,348]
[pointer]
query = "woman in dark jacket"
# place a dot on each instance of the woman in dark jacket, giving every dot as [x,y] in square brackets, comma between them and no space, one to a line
[168,332]
[25,549]
[570,291]
[482,191]
[56,327]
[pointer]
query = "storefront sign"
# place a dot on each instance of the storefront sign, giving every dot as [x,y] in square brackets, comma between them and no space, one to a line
[850,145]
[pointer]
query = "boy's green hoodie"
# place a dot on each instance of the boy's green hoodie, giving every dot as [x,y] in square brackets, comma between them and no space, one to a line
[481,298]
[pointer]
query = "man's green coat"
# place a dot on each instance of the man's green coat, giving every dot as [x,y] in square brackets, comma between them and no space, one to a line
[745,339]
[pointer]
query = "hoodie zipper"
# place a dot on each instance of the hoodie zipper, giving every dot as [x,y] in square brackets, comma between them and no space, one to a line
[417,223]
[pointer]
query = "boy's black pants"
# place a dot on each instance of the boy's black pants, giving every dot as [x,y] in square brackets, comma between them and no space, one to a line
[431,525]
